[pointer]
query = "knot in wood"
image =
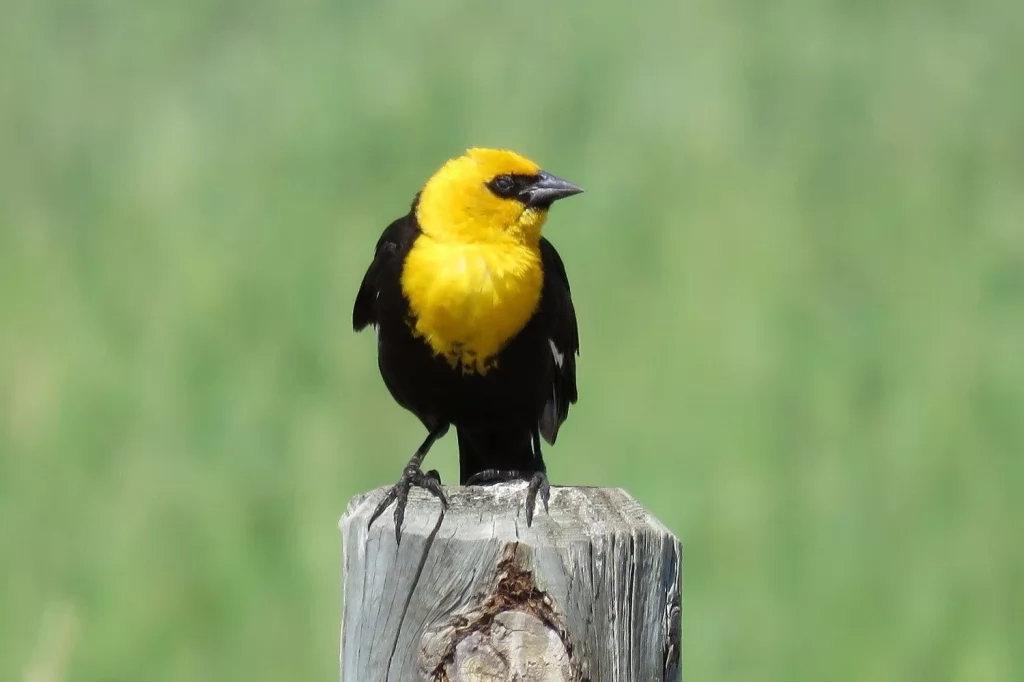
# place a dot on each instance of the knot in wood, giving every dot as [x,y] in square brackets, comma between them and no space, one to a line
[518,647]
[514,635]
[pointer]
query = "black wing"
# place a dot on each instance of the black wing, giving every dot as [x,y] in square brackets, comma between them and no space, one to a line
[563,339]
[392,245]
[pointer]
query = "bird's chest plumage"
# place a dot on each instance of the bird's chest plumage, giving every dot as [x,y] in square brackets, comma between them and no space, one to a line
[468,300]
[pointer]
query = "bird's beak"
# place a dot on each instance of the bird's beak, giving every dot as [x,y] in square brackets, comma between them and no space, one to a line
[546,190]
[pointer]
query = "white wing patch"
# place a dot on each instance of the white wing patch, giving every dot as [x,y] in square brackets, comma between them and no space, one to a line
[558,356]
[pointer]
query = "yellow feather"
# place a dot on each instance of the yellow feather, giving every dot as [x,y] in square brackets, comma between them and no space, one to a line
[473,278]
[470,299]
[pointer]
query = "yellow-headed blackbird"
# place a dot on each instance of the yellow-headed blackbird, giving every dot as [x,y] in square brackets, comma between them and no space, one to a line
[475,325]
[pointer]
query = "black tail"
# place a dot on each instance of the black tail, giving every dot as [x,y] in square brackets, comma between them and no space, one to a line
[500,449]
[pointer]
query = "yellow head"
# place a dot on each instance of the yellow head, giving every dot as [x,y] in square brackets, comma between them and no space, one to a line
[489,195]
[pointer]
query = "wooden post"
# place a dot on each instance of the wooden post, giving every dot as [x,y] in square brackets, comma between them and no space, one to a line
[590,593]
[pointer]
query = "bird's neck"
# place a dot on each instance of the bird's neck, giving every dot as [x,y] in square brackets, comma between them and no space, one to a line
[469,300]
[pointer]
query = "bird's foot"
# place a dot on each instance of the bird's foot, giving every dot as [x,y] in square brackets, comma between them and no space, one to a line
[399,494]
[538,485]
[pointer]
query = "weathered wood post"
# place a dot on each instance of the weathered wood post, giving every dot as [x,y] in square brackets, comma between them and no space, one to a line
[590,592]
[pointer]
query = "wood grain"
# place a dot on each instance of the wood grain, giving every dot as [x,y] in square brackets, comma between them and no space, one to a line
[590,592]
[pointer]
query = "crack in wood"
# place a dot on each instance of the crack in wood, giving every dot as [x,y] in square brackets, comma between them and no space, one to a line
[673,629]
[412,590]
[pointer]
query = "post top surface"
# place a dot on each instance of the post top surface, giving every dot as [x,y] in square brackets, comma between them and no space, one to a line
[497,512]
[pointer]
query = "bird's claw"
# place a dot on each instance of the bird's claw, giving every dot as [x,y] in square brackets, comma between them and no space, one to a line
[538,484]
[399,494]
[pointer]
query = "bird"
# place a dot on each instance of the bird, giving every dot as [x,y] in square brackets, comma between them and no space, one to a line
[475,322]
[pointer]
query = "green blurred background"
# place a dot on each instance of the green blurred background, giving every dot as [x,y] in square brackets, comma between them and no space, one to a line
[798,268]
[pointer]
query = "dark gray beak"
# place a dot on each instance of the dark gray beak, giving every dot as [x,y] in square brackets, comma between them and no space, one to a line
[546,190]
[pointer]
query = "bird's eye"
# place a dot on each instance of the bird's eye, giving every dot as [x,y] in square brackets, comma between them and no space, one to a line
[503,183]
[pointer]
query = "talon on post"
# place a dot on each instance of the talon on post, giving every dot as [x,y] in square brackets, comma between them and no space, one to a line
[399,494]
[538,484]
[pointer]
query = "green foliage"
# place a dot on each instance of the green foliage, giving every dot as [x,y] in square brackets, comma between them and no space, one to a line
[798,266]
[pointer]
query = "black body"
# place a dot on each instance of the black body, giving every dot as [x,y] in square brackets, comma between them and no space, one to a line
[498,415]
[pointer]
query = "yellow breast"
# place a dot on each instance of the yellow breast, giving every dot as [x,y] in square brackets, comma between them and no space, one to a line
[469,299]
